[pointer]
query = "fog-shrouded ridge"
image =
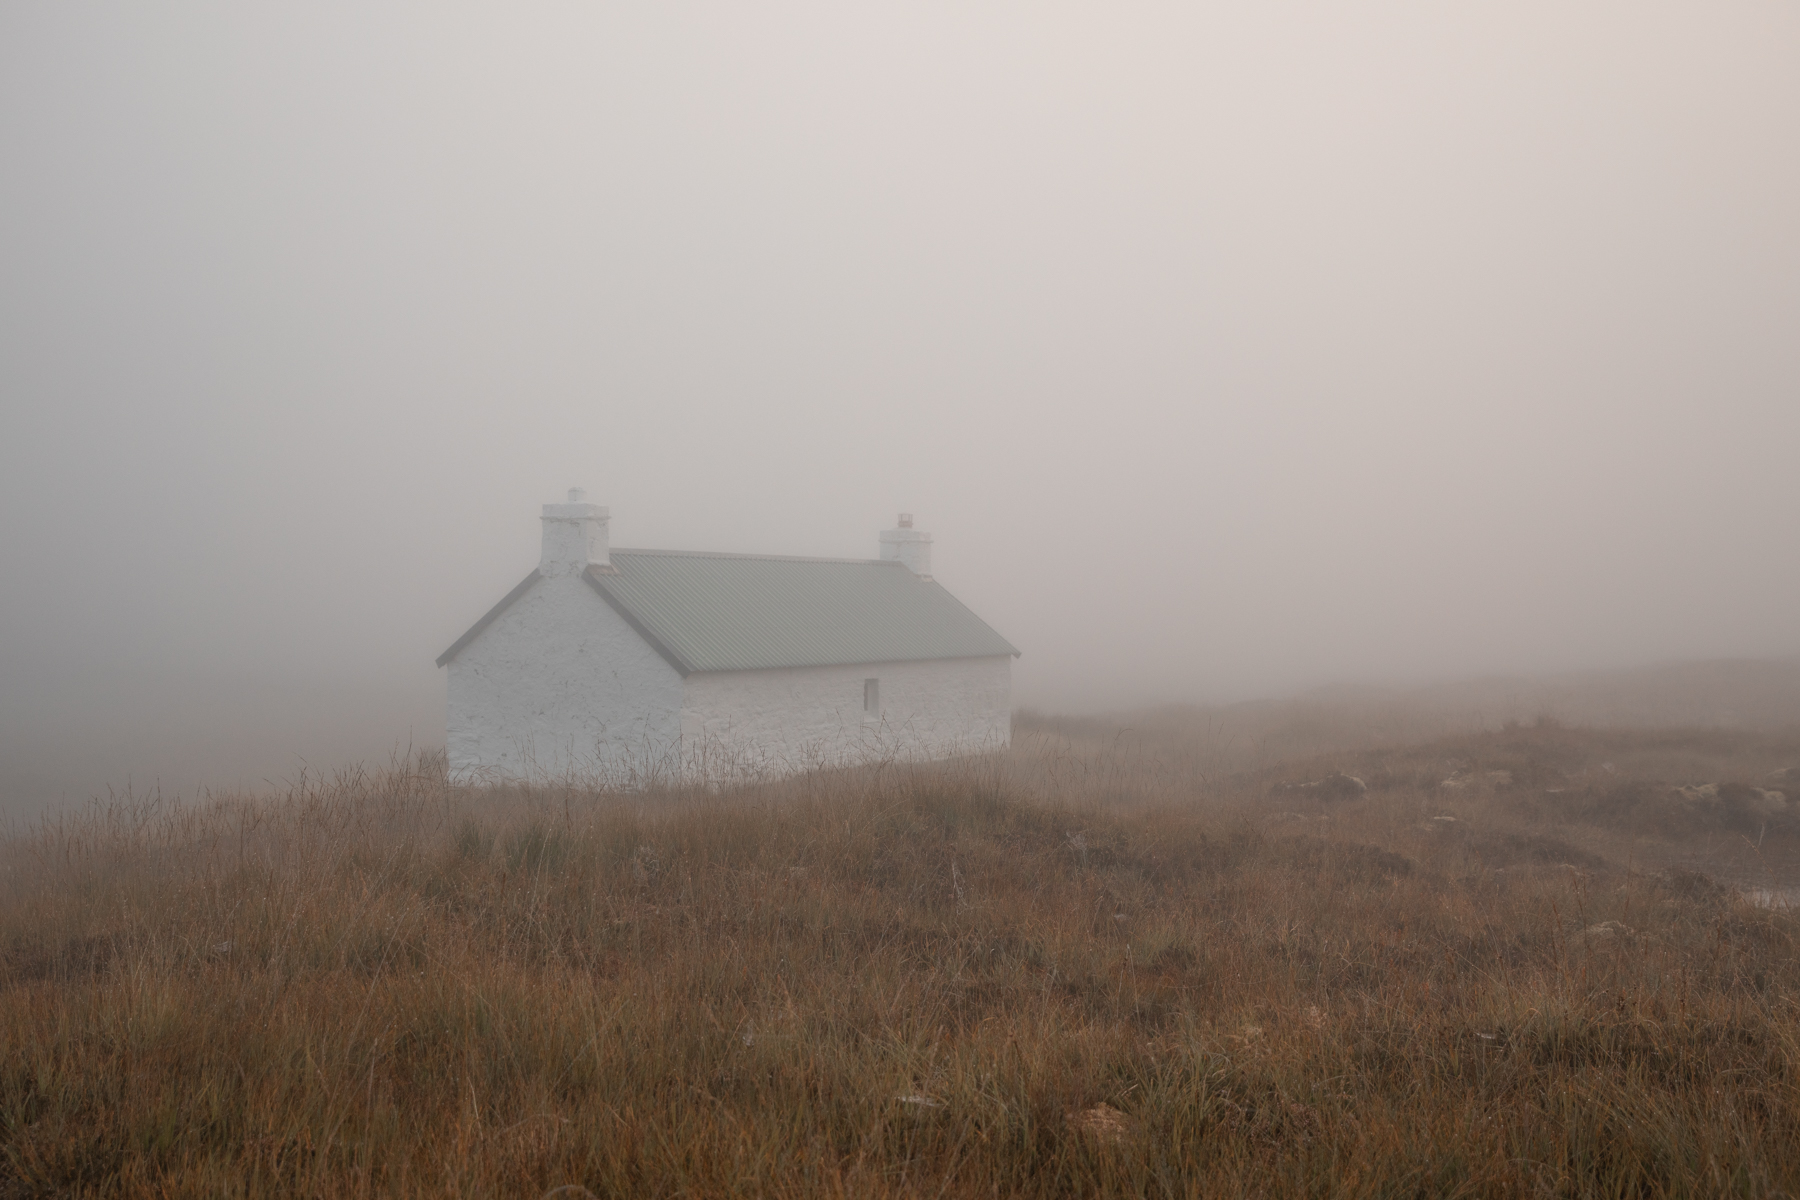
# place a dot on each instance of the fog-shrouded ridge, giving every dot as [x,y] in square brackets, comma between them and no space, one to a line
[1227,353]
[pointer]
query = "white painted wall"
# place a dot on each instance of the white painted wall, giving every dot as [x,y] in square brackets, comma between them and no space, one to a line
[776,721]
[560,685]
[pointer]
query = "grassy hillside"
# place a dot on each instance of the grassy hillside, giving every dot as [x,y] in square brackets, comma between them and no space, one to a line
[1088,966]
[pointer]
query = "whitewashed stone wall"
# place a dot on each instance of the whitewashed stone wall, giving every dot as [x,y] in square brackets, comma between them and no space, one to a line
[559,685]
[777,721]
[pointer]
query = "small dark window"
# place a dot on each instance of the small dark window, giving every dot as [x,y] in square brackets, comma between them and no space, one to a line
[872,697]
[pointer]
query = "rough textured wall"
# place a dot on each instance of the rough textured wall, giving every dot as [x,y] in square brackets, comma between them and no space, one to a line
[790,719]
[559,684]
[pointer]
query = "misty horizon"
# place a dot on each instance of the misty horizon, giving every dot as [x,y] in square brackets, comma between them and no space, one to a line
[1225,354]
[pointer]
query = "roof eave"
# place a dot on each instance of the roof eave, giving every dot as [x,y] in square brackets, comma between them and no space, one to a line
[851,662]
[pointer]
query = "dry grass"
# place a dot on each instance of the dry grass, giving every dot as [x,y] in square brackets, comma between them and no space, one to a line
[1078,968]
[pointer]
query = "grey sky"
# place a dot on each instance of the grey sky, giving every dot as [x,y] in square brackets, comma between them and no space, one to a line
[1224,349]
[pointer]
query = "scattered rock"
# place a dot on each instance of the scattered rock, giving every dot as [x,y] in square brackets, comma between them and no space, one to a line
[1335,787]
[1767,897]
[1495,779]
[1444,818]
[1749,800]
[1692,885]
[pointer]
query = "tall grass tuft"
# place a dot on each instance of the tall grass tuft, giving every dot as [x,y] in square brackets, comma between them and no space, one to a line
[1068,969]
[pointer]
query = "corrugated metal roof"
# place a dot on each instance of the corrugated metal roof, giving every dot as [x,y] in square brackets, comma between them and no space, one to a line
[737,612]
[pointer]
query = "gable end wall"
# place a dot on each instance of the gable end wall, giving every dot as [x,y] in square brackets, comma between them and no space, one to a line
[559,685]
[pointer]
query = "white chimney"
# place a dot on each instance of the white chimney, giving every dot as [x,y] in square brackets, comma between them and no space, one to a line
[907,545]
[574,536]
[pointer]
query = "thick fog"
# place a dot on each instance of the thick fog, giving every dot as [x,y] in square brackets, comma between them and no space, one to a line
[1225,350]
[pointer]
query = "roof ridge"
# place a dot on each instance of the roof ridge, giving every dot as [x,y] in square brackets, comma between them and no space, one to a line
[857,562]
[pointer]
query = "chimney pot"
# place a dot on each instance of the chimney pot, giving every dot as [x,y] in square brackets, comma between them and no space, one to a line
[906,520]
[576,495]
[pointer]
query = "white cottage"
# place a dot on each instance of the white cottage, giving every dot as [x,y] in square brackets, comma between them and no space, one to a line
[629,666]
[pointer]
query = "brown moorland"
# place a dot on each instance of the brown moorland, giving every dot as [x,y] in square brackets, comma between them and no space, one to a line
[1522,962]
